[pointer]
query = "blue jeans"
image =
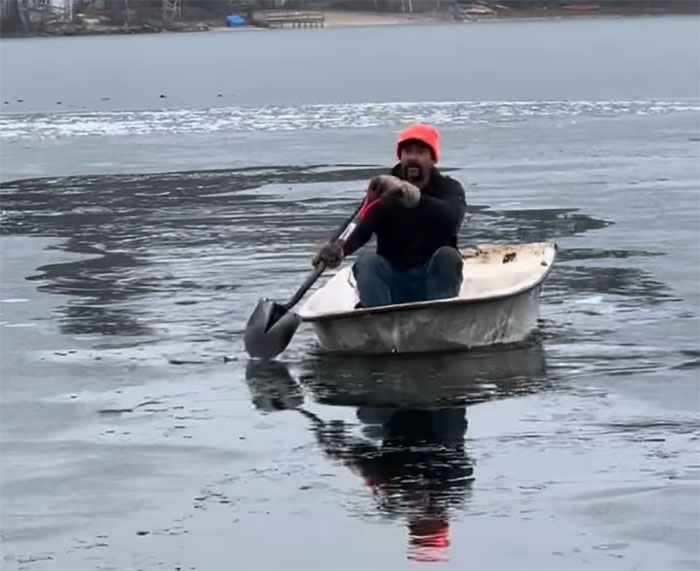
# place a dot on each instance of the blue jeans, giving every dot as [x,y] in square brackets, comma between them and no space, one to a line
[381,284]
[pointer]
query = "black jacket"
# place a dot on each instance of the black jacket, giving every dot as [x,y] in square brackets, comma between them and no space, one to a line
[408,237]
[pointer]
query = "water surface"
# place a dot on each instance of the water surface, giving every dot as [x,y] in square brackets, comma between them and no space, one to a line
[138,235]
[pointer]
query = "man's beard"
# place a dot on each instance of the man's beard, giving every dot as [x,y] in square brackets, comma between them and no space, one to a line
[413,173]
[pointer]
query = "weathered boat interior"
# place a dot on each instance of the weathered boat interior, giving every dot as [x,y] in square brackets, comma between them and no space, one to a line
[490,271]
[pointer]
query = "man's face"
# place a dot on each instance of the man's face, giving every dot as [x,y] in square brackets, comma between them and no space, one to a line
[416,161]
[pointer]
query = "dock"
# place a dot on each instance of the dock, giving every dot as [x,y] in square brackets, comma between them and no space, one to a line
[293,18]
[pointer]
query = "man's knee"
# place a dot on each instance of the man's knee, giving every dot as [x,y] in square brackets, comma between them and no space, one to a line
[447,261]
[444,274]
[369,264]
[373,278]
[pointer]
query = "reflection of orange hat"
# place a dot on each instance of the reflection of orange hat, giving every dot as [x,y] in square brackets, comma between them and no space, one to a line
[429,539]
[419,132]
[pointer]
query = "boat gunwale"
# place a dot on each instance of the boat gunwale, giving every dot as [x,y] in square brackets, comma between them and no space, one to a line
[433,304]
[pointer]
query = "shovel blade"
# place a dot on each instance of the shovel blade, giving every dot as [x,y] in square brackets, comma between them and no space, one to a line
[269,330]
[272,386]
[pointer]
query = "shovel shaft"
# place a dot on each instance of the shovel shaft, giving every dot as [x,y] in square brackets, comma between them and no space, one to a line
[346,229]
[271,326]
[308,282]
[342,232]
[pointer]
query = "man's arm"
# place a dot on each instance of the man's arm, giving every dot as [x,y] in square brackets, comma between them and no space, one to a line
[333,252]
[450,209]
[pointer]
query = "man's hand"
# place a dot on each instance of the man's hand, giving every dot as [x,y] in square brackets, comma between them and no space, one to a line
[380,185]
[331,254]
[392,189]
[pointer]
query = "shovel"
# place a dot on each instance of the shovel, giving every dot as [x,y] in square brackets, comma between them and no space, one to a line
[271,326]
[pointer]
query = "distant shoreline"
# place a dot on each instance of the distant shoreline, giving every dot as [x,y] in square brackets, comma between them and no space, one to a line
[353,19]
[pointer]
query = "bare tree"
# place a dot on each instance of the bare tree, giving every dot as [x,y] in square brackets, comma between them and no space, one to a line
[12,18]
[126,13]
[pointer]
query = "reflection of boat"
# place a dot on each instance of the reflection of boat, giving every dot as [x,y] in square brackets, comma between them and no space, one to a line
[426,380]
[497,304]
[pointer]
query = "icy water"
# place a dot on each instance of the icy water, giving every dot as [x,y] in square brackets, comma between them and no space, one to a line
[138,234]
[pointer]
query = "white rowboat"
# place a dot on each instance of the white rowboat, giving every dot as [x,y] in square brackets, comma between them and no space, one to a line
[498,303]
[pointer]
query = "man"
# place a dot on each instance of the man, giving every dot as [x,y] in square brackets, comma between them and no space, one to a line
[415,213]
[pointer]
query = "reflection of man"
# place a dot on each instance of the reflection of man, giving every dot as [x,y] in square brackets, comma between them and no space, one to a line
[413,460]
[418,471]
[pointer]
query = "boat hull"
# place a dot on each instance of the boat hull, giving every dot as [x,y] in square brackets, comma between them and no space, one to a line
[445,327]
